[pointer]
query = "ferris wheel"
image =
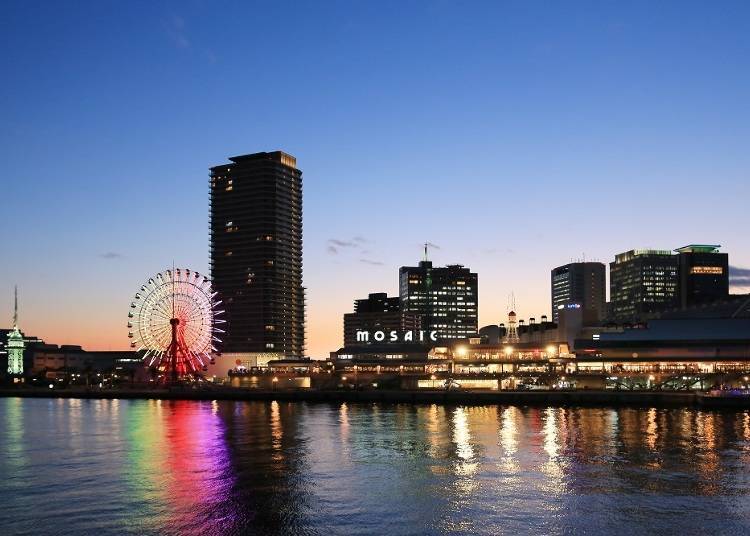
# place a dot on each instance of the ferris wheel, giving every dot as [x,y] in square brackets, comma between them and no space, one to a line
[173,322]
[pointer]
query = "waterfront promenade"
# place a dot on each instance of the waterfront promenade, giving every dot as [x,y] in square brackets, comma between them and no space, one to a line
[579,397]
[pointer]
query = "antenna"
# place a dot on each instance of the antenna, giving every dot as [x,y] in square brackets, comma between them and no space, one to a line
[425,251]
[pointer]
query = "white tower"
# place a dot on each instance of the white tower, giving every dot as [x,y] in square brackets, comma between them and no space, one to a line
[15,344]
[511,333]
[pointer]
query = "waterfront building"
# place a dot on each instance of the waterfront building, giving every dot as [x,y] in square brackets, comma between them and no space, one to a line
[538,332]
[397,365]
[733,306]
[643,282]
[256,256]
[582,283]
[479,365]
[704,274]
[67,358]
[377,312]
[684,353]
[444,299]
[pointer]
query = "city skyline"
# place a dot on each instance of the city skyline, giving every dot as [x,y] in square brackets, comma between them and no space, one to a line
[512,165]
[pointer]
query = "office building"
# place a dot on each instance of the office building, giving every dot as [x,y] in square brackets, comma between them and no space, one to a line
[377,312]
[643,282]
[444,299]
[704,274]
[581,283]
[256,255]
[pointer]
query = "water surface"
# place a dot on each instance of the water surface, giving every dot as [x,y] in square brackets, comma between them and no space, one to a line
[160,467]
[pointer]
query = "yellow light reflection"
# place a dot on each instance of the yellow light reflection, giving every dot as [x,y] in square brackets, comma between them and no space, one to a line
[467,465]
[277,433]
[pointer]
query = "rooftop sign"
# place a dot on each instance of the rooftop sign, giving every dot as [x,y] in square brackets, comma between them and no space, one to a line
[396,336]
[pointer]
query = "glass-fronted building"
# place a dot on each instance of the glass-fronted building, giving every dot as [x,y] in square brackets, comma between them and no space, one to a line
[642,282]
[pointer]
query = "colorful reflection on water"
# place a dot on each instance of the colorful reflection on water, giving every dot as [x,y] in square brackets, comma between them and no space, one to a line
[159,467]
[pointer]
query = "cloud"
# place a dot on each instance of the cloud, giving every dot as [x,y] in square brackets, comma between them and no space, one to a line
[371,262]
[111,255]
[176,32]
[736,271]
[341,243]
[739,277]
[334,245]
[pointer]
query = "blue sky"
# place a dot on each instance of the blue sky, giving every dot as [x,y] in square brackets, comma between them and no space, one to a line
[513,135]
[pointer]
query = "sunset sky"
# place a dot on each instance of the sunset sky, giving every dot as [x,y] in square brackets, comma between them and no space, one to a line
[514,136]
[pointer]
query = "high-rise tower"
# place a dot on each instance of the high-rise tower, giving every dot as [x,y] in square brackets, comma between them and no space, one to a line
[256,255]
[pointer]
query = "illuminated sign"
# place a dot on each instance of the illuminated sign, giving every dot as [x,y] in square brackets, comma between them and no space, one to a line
[394,336]
[716,270]
[569,306]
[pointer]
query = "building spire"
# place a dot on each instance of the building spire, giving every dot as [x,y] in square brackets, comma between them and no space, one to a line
[425,251]
[15,306]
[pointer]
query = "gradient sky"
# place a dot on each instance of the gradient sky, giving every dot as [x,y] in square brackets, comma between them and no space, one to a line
[515,136]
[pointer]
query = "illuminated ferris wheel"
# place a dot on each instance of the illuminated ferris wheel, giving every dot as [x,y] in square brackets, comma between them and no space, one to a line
[173,322]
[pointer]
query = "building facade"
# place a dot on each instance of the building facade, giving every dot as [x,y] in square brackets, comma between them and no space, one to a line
[256,255]
[377,312]
[444,299]
[582,283]
[704,274]
[643,282]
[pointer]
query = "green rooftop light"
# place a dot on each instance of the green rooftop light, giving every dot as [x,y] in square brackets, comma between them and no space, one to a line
[699,248]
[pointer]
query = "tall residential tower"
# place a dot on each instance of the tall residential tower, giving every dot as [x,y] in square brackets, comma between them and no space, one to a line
[256,255]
